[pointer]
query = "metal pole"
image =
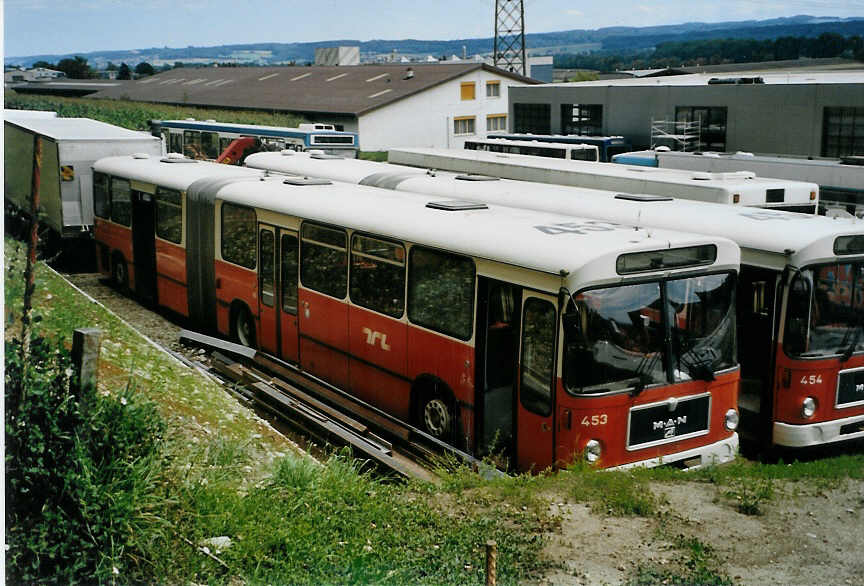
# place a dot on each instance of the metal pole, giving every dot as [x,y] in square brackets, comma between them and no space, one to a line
[32,244]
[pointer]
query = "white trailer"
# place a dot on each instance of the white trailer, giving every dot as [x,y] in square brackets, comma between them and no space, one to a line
[70,146]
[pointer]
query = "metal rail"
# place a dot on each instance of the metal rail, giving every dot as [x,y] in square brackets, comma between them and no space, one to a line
[288,392]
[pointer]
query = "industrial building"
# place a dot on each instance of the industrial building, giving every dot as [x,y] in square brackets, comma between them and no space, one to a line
[416,104]
[797,113]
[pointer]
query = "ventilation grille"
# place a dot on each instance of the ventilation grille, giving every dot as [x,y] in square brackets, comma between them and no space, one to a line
[306,181]
[643,197]
[457,205]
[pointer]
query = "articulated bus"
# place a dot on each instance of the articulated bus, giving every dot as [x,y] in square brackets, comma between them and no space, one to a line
[608,146]
[800,295]
[208,139]
[572,152]
[841,181]
[741,188]
[536,336]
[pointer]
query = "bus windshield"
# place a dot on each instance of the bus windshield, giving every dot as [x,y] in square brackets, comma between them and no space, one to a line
[631,336]
[825,312]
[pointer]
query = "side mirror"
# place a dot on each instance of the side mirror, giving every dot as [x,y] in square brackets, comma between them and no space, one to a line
[573,323]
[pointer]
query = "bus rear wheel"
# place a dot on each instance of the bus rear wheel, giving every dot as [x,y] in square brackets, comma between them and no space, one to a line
[242,327]
[120,274]
[435,416]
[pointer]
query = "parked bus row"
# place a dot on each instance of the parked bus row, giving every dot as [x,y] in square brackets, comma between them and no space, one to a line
[608,146]
[572,152]
[800,293]
[841,181]
[540,336]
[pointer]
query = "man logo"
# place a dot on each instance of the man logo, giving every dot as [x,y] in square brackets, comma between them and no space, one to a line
[372,337]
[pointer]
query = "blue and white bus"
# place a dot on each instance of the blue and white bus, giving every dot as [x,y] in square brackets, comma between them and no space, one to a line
[607,145]
[207,139]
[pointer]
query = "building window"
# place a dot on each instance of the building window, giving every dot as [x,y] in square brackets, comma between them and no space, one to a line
[467,90]
[712,125]
[493,89]
[582,119]
[532,118]
[842,132]
[496,122]
[463,125]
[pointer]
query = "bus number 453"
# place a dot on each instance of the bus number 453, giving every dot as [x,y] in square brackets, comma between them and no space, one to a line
[601,419]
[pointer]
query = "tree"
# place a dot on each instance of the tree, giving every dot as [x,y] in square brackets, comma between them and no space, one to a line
[124,72]
[76,68]
[110,67]
[144,68]
[44,65]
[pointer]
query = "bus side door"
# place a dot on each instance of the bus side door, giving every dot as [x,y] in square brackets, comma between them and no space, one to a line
[277,284]
[535,435]
[268,327]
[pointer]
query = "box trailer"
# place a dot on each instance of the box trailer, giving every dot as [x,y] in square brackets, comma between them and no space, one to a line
[70,146]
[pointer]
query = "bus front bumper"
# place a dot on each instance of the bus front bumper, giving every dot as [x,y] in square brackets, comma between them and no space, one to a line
[717,453]
[814,434]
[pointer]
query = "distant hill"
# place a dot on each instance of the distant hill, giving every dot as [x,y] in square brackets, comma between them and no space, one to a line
[606,39]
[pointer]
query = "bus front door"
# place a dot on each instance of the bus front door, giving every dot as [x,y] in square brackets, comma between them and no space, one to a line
[498,314]
[268,325]
[144,245]
[535,432]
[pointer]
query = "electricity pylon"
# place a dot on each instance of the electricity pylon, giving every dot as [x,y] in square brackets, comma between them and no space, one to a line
[509,50]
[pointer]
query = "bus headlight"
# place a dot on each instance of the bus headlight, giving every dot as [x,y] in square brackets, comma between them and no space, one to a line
[593,451]
[808,407]
[731,420]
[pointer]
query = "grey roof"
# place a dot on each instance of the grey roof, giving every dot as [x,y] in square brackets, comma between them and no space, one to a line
[352,90]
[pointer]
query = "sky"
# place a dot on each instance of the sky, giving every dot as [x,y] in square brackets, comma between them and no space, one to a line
[34,27]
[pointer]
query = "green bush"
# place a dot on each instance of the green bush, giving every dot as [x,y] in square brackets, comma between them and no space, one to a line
[80,473]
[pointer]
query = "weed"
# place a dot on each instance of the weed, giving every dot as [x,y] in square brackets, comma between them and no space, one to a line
[751,494]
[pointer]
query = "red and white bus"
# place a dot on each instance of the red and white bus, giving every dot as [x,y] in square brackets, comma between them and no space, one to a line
[540,336]
[800,295]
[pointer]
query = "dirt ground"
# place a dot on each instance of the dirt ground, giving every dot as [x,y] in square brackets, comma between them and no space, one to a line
[807,533]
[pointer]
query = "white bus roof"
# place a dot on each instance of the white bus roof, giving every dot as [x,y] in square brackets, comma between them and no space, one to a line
[736,180]
[248,127]
[556,244]
[79,129]
[769,238]
[173,175]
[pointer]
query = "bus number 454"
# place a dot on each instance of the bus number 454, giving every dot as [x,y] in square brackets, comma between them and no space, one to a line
[813,379]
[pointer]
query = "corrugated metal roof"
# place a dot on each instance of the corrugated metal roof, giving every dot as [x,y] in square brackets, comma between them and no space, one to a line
[335,90]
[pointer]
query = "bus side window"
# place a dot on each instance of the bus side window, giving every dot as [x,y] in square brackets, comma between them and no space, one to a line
[101,197]
[169,215]
[441,292]
[378,275]
[289,273]
[538,356]
[324,259]
[175,143]
[239,233]
[121,201]
[210,144]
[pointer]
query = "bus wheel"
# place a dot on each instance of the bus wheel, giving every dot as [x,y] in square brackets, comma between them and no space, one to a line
[436,417]
[242,327]
[120,274]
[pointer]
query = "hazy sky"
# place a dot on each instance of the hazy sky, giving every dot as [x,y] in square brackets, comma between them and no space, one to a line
[53,26]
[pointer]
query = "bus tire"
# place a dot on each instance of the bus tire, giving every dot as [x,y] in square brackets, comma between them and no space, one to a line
[120,273]
[242,325]
[434,412]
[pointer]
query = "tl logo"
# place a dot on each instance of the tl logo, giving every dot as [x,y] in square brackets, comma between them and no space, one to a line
[372,337]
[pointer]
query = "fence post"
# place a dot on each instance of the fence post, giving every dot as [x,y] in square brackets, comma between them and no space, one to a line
[491,563]
[85,359]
